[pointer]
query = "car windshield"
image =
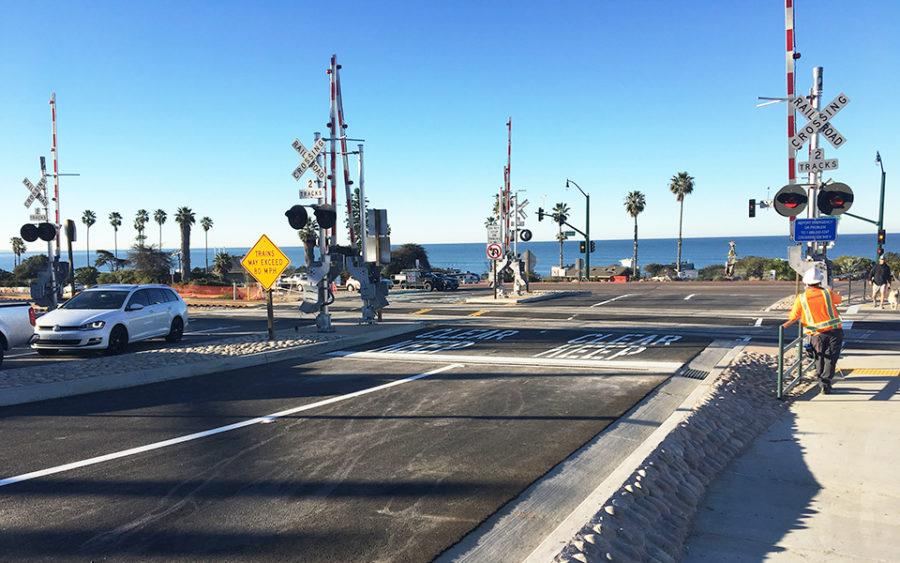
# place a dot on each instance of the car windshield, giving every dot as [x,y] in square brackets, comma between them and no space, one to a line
[97,300]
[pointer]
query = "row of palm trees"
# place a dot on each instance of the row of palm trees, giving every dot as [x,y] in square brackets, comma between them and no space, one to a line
[681,185]
[184,216]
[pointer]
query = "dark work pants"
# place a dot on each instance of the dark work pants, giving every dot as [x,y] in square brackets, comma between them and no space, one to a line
[828,349]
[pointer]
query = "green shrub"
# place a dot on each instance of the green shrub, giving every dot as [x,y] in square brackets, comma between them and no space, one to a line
[87,275]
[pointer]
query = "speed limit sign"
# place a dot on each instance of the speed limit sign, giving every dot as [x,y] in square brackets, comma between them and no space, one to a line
[494,251]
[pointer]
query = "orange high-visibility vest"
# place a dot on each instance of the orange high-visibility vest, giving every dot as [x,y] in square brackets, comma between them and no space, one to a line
[817,311]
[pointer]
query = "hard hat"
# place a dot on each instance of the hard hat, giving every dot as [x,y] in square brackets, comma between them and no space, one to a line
[813,276]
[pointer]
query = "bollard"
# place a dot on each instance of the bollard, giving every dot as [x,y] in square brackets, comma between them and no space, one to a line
[780,377]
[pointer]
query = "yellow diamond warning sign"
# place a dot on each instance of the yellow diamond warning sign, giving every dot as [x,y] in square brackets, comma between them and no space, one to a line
[265,262]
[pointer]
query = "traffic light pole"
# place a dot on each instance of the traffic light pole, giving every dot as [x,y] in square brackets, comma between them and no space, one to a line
[587,230]
[879,249]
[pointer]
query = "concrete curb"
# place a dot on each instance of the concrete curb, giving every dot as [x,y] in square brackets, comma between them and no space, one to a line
[520,300]
[56,390]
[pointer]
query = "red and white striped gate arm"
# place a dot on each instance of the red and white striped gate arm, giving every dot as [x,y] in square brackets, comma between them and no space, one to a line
[332,129]
[789,64]
[55,155]
[342,126]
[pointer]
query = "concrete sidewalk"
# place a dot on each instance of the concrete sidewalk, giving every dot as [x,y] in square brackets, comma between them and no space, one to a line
[821,483]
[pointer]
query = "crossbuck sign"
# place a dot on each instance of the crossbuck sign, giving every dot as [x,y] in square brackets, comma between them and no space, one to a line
[308,159]
[37,192]
[819,121]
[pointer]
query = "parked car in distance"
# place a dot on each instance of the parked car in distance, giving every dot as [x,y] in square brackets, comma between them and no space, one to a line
[108,317]
[293,282]
[16,326]
[429,281]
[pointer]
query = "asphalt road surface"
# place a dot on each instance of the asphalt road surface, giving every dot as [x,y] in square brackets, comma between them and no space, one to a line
[392,457]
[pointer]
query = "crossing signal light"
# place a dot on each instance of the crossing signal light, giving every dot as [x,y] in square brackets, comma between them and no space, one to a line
[880,251]
[297,217]
[752,208]
[29,232]
[790,200]
[325,215]
[835,199]
[43,231]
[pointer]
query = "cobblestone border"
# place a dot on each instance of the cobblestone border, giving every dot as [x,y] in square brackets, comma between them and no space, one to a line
[651,515]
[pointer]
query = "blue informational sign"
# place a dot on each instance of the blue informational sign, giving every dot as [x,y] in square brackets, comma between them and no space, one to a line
[820,229]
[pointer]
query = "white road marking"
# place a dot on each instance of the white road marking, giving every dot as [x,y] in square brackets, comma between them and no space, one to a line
[689,297]
[853,309]
[659,367]
[212,432]
[611,300]
[213,329]
[22,355]
[758,322]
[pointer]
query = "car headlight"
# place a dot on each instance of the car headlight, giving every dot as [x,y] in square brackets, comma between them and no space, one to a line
[96,325]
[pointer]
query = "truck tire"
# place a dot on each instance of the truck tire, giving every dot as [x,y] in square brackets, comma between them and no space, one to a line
[427,286]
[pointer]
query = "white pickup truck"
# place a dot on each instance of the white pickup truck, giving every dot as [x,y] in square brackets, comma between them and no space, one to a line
[16,326]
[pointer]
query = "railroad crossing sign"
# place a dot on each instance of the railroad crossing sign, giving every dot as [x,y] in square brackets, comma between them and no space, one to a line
[818,163]
[311,191]
[494,251]
[265,262]
[521,214]
[37,192]
[493,234]
[308,159]
[819,121]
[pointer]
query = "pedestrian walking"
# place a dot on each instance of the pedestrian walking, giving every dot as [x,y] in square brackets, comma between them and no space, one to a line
[816,309]
[881,278]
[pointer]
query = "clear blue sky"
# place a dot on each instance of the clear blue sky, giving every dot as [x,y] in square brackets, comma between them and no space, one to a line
[163,104]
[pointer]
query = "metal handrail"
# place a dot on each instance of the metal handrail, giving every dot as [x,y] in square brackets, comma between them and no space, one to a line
[782,388]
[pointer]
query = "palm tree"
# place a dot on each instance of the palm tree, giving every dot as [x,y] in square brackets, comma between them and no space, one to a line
[207,224]
[635,202]
[140,223]
[185,218]
[560,212]
[18,248]
[222,262]
[681,184]
[309,234]
[490,221]
[115,219]
[88,218]
[160,217]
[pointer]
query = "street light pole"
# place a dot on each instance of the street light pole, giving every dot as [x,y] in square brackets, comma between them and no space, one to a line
[879,248]
[587,229]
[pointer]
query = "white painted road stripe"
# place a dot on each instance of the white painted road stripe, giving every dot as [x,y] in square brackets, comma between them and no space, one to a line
[213,329]
[632,365]
[212,432]
[611,300]
[853,309]
[758,322]
[689,296]
[22,355]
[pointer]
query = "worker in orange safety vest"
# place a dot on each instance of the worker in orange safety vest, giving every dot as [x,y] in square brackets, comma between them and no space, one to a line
[816,309]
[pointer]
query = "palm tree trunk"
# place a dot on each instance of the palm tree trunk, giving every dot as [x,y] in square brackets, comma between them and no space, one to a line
[160,237]
[635,269]
[116,247]
[561,241]
[185,252]
[680,217]
[87,247]
[206,249]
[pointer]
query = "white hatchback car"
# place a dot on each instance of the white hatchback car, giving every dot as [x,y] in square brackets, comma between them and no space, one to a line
[108,317]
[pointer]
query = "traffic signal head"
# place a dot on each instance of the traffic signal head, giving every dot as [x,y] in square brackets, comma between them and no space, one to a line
[835,199]
[541,213]
[297,217]
[70,230]
[325,215]
[790,200]
[881,236]
[752,208]
[880,251]
[593,246]
[581,247]
[29,232]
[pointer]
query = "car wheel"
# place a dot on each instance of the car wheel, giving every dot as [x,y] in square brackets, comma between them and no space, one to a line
[177,330]
[46,351]
[427,286]
[118,340]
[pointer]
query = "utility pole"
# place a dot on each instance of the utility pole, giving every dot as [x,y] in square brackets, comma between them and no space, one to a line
[879,245]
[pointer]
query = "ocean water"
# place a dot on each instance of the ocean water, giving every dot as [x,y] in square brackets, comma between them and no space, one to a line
[471,257]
